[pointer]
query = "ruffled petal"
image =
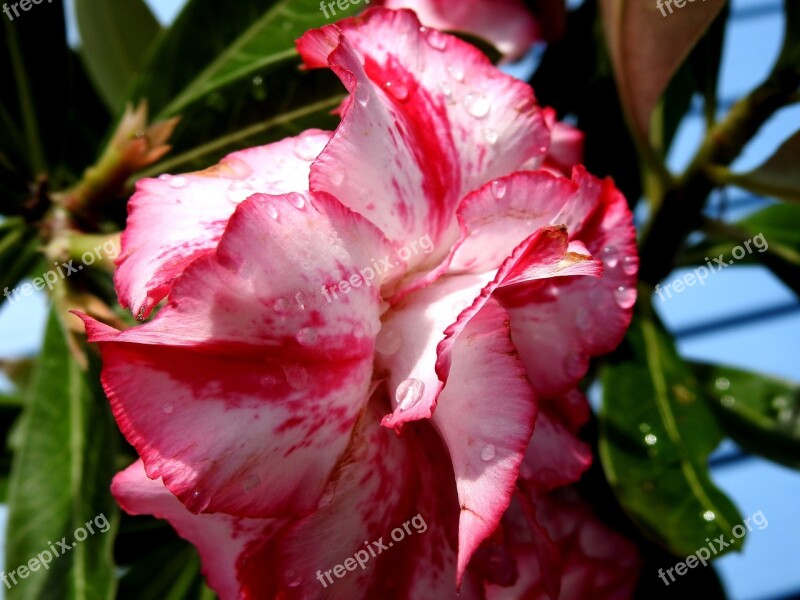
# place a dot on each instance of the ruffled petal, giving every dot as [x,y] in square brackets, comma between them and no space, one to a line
[242,393]
[174,220]
[429,119]
[507,24]
[227,545]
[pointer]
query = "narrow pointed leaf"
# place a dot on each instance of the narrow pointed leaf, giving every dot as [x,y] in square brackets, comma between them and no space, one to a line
[761,413]
[779,176]
[656,435]
[59,486]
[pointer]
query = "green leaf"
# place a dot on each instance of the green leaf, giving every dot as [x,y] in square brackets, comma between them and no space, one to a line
[115,37]
[778,226]
[60,478]
[19,256]
[779,176]
[655,438]
[212,45]
[761,413]
[647,46]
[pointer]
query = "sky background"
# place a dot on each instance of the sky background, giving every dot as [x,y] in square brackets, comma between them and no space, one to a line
[713,323]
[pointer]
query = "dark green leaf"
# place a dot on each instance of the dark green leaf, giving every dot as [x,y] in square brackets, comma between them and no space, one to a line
[778,226]
[115,37]
[779,176]
[60,480]
[761,413]
[656,435]
[19,256]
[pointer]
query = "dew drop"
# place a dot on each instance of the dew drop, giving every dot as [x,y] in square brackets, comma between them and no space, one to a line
[625,297]
[630,265]
[359,331]
[408,393]
[307,336]
[281,306]
[610,256]
[397,90]
[498,189]
[644,427]
[272,211]
[709,515]
[306,149]
[650,439]
[722,383]
[574,365]
[779,402]
[292,579]
[456,73]
[437,40]
[251,483]
[477,104]
[388,342]
[301,299]
[487,452]
[259,91]
[297,201]
[178,182]
[362,94]
[490,135]
[446,90]
[168,408]
[296,376]
[239,191]
[727,401]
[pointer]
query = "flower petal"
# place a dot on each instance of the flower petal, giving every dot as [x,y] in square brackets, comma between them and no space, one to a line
[226,544]
[507,24]
[240,399]
[448,119]
[174,220]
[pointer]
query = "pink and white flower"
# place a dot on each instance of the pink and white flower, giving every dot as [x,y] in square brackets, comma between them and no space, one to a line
[279,430]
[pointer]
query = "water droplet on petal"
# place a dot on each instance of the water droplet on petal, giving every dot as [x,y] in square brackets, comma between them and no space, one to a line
[272,211]
[446,90]
[297,201]
[709,515]
[437,40]
[477,104]
[168,408]
[359,331]
[296,376]
[239,191]
[301,299]
[490,135]
[408,393]
[625,297]
[397,90]
[292,579]
[722,383]
[630,265]
[251,483]
[456,73]
[388,342]
[362,94]
[487,452]
[307,336]
[178,182]
[498,189]
[281,306]
[610,256]
[306,148]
